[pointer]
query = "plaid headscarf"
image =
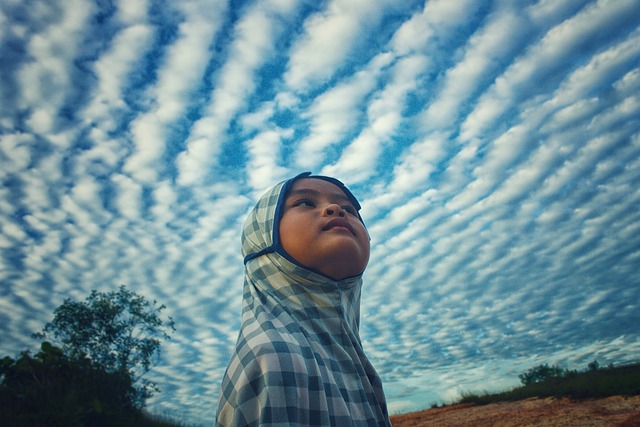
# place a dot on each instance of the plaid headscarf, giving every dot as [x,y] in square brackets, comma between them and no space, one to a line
[298,360]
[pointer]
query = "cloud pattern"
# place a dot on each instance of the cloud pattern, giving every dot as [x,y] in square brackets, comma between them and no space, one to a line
[495,147]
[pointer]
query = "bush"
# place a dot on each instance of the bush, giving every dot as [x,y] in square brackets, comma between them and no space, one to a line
[594,383]
[543,373]
[51,389]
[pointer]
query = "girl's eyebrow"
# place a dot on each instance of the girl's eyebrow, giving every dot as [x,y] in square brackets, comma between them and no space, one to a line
[304,191]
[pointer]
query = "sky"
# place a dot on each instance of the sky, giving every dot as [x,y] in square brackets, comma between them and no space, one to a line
[494,146]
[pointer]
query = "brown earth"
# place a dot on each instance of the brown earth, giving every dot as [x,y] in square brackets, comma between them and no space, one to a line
[616,411]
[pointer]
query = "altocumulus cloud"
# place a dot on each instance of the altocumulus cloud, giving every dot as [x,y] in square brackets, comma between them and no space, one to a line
[495,147]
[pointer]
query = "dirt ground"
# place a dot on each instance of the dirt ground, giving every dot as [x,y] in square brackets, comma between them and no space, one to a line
[616,411]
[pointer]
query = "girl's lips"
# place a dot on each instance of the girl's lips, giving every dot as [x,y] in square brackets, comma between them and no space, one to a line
[338,222]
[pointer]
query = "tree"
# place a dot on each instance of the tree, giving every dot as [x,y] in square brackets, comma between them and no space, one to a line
[51,389]
[119,332]
[541,374]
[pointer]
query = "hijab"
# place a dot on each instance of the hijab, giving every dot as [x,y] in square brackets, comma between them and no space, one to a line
[299,359]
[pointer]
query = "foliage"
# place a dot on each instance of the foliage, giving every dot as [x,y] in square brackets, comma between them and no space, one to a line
[543,373]
[118,332]
[52,389]
[593,383]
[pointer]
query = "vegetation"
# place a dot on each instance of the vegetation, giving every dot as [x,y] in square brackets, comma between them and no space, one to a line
[544,373]
[546,381]
[119,332]
[93,376]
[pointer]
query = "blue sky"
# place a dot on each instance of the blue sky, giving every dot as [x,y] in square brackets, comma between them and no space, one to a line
[494,145]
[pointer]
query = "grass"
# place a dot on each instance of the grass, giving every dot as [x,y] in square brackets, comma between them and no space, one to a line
[604,382]
[151,420]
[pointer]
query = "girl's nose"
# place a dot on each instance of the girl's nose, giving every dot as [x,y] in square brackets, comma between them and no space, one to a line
[333,209]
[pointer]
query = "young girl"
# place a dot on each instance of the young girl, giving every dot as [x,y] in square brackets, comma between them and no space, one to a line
[298,360]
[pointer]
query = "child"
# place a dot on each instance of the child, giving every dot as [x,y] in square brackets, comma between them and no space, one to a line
[299,360]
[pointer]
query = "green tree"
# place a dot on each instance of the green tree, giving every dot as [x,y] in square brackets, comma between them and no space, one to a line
[541,374]
[51,389]
[119,332]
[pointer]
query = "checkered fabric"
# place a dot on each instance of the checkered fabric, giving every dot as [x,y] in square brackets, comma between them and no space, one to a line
[298,360]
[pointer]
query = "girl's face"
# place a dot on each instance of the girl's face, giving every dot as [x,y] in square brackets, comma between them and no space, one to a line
[321,230]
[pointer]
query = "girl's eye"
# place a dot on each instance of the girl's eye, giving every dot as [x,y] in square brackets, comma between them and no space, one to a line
[304,202]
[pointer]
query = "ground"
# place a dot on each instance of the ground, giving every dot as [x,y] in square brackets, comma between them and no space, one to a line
[616,411]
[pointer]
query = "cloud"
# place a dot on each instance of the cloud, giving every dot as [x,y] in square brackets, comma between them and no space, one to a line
[440,19]
[48,72]
[128,197]
[336,112]
[112,70]
[16,152]
[557,48]
[384,114]
[132,12]
[417,164]
[329,37]
[486,50]
[254,36]
[263,166]
[187,57]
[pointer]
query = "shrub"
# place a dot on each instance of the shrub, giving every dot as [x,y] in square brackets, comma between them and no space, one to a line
[542,373]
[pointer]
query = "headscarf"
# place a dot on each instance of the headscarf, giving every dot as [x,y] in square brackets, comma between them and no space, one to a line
[298,360]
